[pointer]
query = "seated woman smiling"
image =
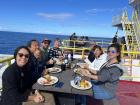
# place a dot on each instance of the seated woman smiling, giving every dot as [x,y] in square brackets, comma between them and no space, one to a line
[100,59]
[17,82]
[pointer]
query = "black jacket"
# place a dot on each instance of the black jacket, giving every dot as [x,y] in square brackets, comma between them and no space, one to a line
[16,82]
[36,68]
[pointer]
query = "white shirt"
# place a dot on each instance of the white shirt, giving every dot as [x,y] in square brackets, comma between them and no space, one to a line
[98,62]
[87,61]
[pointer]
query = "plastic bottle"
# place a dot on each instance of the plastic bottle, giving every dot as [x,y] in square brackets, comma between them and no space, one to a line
[66,59]
[71,55]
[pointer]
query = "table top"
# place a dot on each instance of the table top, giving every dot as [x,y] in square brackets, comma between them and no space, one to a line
[64,77]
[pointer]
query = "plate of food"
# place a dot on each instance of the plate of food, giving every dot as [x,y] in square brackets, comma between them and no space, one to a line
[77,70]
[54,70]
[47,80]
[82,85]
[82,65]
[58,61]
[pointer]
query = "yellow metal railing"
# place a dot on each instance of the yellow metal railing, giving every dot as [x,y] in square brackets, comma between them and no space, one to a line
[67,42]
[132,53]
[130,30]
[136,24]
[77,49]
[125,55]
[127,63]
[6,60]
[66,46]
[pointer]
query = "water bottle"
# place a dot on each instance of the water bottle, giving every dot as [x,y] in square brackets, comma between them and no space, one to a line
[71,55]
[77,80]
[66,59]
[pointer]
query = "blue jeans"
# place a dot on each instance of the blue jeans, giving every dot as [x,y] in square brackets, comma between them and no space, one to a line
[100,92]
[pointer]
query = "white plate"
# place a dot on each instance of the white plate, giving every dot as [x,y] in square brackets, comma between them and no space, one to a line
[53,78]
[82,65]
[78,72]
[54,70]
[58,62]
[81,88]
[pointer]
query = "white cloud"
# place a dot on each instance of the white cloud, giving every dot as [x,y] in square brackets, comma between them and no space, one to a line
[0,27]
[96,10]
[58,16]
[3,28]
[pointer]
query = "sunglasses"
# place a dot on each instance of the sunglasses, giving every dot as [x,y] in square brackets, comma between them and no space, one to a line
[25,55]
[112,51]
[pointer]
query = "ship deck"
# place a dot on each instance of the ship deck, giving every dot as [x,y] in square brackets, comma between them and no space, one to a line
[128,93]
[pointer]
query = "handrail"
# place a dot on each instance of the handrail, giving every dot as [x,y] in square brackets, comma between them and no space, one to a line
[7,60]
[131,76]
[74,49]
[131,52]
[128,63]
[86,41]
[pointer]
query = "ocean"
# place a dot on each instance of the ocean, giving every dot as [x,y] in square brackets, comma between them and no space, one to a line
[9,41]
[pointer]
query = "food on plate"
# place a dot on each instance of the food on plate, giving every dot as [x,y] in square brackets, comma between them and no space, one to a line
[45,72]
[48,78]
[84,83]
[78,71]
[58,61]
[82,65]
[54,69]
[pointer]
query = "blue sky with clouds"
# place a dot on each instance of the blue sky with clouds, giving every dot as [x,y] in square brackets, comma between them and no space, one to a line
[85,17]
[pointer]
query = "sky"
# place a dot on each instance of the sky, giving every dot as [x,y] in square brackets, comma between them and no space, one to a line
[84,17]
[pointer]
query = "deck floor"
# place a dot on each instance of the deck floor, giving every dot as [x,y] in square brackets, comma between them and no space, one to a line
[128,93]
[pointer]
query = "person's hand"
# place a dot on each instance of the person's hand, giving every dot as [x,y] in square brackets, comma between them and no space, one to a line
[50,61]
[45,72]
[61,57]
[84,66]
[38,97]
[85,72]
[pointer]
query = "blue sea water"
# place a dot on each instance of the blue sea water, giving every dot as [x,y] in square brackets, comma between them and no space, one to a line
[9,41]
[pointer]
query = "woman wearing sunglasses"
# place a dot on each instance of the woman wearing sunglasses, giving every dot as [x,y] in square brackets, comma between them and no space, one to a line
[105,80]
[16,80]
